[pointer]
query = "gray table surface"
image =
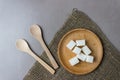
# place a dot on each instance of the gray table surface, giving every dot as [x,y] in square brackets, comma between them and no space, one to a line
[16,17]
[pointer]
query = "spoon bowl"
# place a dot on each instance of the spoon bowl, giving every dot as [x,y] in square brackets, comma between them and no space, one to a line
[36,31]
[22,45]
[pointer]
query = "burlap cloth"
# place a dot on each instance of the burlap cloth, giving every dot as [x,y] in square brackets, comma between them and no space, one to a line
[109,68]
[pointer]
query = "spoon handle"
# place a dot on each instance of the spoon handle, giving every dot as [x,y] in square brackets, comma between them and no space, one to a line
[52,60]
[45,65]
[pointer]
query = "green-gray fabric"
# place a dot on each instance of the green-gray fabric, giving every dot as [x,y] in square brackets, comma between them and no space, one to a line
[109,69]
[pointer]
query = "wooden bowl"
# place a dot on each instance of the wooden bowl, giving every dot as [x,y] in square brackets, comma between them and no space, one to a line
[92,41]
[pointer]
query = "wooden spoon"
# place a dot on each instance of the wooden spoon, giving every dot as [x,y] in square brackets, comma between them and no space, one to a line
[37,34]
[23,46]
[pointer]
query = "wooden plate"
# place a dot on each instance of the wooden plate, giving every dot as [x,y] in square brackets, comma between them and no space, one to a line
[92,41]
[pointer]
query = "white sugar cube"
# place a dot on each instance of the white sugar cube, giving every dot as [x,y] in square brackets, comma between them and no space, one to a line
[80,42]
[81,56]
[73,61]
[89,59]
[76,50]
[71,44]
[86,50]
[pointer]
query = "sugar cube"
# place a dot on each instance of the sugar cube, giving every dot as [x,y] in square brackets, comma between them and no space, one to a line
[76,50]
[81,56]
[71,44]
[73,61]
[89,59]
[86,50]
[80,42]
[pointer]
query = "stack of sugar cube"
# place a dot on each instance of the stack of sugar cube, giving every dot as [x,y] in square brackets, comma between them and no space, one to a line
[81,50]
